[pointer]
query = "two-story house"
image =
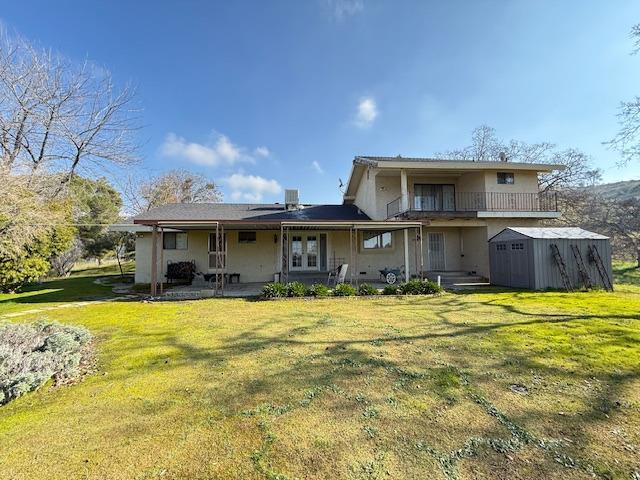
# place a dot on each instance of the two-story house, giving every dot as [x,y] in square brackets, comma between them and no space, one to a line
[417,215]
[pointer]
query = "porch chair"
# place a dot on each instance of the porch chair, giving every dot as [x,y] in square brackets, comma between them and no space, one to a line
[338,275]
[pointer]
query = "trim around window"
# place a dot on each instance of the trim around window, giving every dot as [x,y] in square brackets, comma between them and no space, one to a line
[377,240]
[247,237]
[505,178]
[174,241]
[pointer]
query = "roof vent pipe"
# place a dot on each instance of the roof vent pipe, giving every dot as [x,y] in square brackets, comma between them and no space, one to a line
[503,157]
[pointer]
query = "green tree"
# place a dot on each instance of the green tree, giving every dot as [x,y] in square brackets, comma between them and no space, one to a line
[96,204]
[33,230]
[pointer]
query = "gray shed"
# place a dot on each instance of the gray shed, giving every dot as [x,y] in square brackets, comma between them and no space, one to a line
[535,257]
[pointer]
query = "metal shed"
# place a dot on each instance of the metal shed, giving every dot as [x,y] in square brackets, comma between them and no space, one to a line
[541,258]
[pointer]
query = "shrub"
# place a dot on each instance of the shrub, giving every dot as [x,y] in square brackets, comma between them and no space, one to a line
[390,290]
[419,287]
[32,354]
[344,290]
[319,290]
[296,289]
[274,290]
[366,289]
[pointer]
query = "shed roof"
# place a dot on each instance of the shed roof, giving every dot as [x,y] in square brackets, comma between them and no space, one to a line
[569,233]
[253,212]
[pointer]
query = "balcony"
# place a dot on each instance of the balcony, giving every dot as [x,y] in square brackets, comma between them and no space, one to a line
[474,204]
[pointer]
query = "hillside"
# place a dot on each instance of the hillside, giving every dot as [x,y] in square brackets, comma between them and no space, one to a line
[619,190]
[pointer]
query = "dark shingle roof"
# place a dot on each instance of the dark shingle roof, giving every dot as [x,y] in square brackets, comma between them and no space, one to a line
[252,212]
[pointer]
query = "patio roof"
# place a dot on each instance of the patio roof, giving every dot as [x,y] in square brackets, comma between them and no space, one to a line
[247,213]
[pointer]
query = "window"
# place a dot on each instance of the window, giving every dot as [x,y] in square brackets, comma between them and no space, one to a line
[505,178]
[174,241]
[517,246]
[501,246]
[246,237]
[434,197]
[376,240]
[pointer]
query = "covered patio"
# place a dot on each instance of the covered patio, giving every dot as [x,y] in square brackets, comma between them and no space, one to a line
[301,250]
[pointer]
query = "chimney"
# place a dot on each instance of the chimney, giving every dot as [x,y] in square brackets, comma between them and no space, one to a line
[503,157]
[291,199]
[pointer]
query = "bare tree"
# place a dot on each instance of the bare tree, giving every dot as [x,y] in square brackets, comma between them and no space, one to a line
[174,186]
[627,140]
[56,117]
[486,146]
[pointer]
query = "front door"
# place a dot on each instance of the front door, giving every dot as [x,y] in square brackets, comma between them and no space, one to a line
[304,252]
[435,246]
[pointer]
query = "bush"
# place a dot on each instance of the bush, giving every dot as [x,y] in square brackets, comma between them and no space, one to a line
[366,289]
[32,354]
[319,290]
[419,287]
[274,290]
[344,290]
[390,290]
[296,289]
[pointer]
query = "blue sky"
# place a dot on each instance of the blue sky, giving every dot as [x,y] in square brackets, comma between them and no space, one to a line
[265,95]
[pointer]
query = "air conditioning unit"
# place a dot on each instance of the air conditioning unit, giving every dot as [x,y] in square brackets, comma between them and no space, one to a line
[291,198]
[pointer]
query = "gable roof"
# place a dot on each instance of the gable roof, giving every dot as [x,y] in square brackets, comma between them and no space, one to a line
[259,212]
[570,233]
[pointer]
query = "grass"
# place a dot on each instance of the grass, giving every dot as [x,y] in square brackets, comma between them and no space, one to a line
[341,388]
[626,272]
[79,286]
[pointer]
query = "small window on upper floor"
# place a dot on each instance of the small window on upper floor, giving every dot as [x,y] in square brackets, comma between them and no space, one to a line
[246,237]
[505,178]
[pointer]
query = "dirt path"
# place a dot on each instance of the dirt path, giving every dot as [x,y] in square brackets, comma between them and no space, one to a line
[67,305]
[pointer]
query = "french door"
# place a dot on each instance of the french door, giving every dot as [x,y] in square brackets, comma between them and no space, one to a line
[304,252]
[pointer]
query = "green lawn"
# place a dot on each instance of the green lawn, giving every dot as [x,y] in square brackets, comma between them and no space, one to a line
[339,388]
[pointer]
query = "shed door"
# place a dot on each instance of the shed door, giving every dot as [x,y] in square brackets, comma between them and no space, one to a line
[519,264]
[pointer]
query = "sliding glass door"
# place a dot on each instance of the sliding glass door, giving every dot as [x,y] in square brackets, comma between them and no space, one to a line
[434,197]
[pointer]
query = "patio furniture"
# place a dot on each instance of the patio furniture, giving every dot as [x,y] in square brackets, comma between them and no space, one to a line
[390,275]
[338,275]
[181,271]
[231,276]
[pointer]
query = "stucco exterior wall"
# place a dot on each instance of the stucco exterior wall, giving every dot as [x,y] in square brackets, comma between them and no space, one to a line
[387,189]
[366,193]
[523,182]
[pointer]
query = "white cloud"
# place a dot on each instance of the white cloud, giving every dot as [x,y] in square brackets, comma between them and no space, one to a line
[221,151]
[261,151]
[366,113]
[316,166]
[251,188]
[342,9]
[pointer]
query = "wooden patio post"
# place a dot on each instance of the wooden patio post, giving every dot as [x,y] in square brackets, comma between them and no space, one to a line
[421,255]
[351,253]
[406,255]
[281,256]
[161,260]
[154,259]
[223,258]
[217,247]
[355,258]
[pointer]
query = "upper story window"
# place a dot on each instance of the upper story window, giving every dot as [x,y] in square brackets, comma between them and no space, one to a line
[376,240]
[434,197]
[506,178]
[246,237]
[174,241]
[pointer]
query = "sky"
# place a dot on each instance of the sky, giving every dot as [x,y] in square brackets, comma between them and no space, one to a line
[265,95]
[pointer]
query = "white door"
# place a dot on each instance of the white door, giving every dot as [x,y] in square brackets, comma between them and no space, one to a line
[304,252]
[435,247]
